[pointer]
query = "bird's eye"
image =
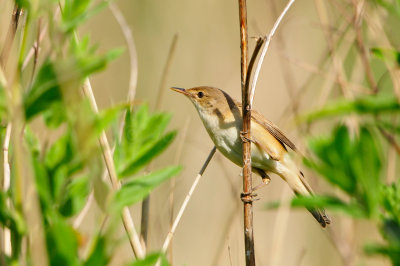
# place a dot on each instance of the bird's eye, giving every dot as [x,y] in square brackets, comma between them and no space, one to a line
[200,94]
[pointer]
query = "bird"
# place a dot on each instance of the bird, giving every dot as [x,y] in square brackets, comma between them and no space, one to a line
[222,117]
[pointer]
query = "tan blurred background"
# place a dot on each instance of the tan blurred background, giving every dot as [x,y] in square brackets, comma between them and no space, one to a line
[208,53]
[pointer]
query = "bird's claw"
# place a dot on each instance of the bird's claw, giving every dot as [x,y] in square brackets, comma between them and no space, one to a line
[248,197]
[244,138]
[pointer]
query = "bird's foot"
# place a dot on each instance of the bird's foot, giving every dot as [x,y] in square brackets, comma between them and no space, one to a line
[248,197]
[244,138]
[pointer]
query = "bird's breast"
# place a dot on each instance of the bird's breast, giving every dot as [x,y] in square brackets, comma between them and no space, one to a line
[225,133]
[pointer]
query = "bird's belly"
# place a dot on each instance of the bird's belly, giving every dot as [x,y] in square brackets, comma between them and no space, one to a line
[229,143]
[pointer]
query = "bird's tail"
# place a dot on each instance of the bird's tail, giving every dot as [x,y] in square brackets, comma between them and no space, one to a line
[299,185]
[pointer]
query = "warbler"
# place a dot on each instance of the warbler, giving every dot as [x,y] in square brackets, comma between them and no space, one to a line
[222,118]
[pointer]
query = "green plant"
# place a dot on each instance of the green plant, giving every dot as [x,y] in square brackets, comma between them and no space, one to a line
[51,181]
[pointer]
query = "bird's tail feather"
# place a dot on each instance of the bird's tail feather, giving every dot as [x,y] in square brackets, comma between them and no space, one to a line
[320,216]
[318,213]
[299,185]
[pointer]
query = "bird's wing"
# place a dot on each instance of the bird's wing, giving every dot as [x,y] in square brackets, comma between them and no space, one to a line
[272,129]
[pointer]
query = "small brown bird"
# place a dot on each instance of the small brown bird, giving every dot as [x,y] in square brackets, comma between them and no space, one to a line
[222,118]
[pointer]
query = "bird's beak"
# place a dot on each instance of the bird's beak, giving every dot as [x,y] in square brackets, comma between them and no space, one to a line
[180,90]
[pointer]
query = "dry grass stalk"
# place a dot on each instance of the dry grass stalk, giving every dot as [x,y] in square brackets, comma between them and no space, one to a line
[127,220]
[168,239]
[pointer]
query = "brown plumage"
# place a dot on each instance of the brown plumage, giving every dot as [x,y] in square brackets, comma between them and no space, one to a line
[222,118]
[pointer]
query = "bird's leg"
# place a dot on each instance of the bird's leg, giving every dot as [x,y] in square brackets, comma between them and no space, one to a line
[265,181]
[244,138]
[248,197]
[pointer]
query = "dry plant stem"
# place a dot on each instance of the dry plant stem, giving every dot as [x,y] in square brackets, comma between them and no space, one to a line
[279,229]
[32,51]
[26,198]
[228,227]
[6,245]
[358,10]
[265,49]
[186,200]
[127,220]
[144,224]
[131,48]
[246,111]
[289,79]
[337,64]
[10,35]
[164,75]
[6,185]
[338,70]
[391,139]
[36,46]
[182,140]
[136,246]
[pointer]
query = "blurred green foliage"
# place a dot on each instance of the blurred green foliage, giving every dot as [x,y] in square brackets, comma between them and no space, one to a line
[353,162]
[353,156]
[68,169]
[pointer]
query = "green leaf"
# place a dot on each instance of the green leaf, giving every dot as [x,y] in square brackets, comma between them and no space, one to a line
[351,163]
[332,164]
[99,254]
[76,195]
[388,55]
[365,105]
[147,153]
[107,116]
[11,218]
[138,188]
[142,140]
[151,260]
[62,243]
[55,115]
[391,251]
[45,91]
[75,12]
[329,202]
[390,195]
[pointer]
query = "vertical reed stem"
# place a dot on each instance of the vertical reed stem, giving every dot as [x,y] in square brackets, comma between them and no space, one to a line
[247,182]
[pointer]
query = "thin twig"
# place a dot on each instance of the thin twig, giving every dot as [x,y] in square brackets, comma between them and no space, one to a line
[133,77]
[36,47]
[182,141]
[10,35]
[279,229]
[7,245]
[31,52]
[228,227]
[265,49]
[167,67]
[358,11]
[186,200]
[337,64]
[41,36]
[127,220]
[391,139]
[78,220]
[286,69]
[144,223]
[6,185]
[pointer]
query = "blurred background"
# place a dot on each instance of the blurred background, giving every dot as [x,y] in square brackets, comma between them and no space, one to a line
[207,52]
[194,43]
